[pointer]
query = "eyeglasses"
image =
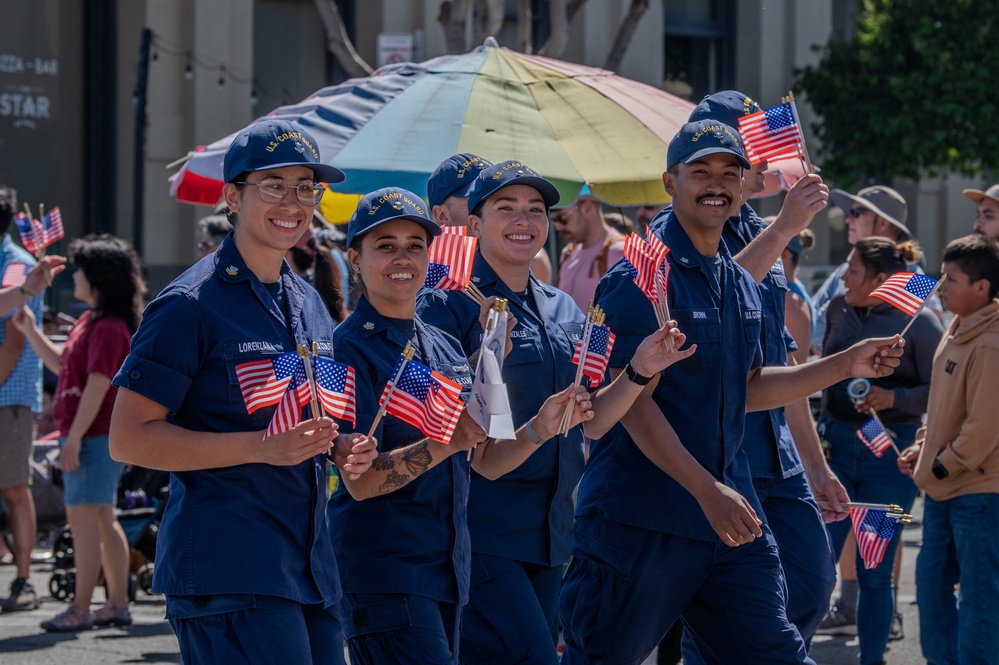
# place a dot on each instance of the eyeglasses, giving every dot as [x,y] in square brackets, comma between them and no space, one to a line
[274,191]
[856,211]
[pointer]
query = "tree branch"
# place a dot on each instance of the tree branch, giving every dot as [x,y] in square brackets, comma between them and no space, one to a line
[337,41]
[625,33]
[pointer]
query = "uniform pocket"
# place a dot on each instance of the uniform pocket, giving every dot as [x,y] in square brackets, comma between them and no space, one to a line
[373,613]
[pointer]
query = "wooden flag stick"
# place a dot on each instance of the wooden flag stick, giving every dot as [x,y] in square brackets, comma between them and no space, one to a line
[472,291]
[407,355]
[922,305]
[664,319]
[322,409]
[891,509]
[303,353]
[801,133]
[587,331]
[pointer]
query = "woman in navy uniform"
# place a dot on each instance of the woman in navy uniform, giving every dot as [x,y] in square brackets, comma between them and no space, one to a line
[243,553]
[400,531]
[521,523]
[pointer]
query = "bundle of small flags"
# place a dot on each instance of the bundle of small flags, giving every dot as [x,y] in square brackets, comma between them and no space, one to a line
[292,380]
[591,356]
[875,437]
[37,235]
[874,527]
[649,268]
[421,397]
[451,256]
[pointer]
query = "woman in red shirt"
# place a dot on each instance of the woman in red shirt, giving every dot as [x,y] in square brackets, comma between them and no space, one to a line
[108,280]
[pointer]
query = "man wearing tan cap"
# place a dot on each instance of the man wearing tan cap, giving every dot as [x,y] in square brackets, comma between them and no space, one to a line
[873,211]
[987,217]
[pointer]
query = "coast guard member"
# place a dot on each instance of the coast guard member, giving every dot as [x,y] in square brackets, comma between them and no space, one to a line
[243,554]
[667,517]
[521,522]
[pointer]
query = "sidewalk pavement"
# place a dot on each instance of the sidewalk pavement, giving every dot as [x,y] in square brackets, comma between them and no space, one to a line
[150,639]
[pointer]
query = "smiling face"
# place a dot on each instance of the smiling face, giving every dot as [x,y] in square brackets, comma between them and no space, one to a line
[511,230]
[707,191]
[269,229]
[859,283]
[392,263]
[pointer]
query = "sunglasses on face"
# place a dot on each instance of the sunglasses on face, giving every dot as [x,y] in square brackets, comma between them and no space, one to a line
[856,211]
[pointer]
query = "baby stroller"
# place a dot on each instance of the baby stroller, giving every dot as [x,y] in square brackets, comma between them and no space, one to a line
[142,497]
[46,491]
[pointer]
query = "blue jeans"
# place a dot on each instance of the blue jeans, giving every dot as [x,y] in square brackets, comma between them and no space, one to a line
[960,545]
[870,479]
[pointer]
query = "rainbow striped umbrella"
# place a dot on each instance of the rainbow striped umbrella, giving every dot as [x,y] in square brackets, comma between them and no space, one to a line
[574,124]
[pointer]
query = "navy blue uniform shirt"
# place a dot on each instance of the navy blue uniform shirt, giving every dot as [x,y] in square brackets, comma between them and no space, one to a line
[703,397]
[252,528]
[526,515]
[413,540]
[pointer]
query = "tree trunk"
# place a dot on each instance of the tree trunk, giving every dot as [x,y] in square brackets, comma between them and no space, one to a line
[625,32]
[558,39]
[453,17]
[524,26]
[488,19]
[337,41]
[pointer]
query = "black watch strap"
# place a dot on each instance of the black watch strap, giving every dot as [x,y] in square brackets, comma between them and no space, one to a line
[635,377]
[939,470]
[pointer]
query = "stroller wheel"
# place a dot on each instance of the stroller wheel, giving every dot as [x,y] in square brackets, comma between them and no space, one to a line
[133,587]
[62,585]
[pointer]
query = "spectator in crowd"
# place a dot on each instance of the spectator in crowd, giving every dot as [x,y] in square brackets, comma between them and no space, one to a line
[213,229]
[900,402]
[317,259]
[956,461]
[592,247]
[108,280]
[644,214]
[620,222]
[987,215]
[20,397]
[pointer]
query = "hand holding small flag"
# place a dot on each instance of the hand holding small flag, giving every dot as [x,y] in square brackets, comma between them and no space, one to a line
[908,292]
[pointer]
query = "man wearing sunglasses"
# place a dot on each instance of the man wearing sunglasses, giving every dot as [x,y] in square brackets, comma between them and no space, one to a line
[873,211]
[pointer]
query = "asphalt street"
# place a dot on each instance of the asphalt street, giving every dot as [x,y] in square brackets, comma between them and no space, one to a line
[150,640]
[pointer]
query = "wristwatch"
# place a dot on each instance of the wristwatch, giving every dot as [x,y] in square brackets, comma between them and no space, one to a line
[531,434]
[939,470]
[635,377]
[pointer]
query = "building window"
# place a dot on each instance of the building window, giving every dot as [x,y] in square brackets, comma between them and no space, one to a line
[699,46]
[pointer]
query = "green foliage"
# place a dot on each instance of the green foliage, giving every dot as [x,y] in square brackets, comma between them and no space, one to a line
[914,91]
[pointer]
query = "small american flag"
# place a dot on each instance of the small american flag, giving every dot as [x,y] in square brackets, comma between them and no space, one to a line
[264,382]
[875,437]
[771,134]
[335,388]
[424,399]
[451,256]
[643,262]
[874,531]
[906,291]
[27,231]
[598,353]
[15,274]
[289,411]
[454,230]
[52,229]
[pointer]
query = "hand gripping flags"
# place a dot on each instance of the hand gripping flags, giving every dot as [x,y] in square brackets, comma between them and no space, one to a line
[875,437]
[771,134]
[874,529]
[598,353]
[423,398]
[451,256]
[282,381]
[906,290]
[37,235]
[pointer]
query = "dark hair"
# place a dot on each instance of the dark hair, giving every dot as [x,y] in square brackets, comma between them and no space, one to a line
[977,256]
[326,280]
[113,269]
[883,255]
[217,226]
[8,207]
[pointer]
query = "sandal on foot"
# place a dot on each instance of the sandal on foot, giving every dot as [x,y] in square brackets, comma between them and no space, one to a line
[70,621]
[112,615]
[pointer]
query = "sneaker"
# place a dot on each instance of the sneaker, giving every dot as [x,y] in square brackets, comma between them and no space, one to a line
[70,621]
[111,615]
[896,632]
[22,596]
[838,622]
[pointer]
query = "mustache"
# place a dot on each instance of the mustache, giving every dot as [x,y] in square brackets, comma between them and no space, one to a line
[727,198]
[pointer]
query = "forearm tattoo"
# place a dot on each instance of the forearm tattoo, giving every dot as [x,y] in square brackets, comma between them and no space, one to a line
[416,458]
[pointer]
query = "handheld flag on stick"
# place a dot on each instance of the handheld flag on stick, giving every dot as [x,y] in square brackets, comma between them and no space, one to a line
[773,133]
[874,529]
[37,235]
[650,269]
[598,350]
[451,257]
[875,437]
[908,292]
[335,388]
[271,381]
[421,397]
